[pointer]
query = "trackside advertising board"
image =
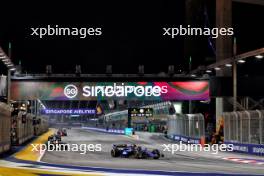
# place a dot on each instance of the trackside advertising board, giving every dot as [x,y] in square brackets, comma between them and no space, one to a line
[184,90]
[254,149]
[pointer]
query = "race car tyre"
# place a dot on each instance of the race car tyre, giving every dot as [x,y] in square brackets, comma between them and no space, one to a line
[141,155]
[157,153]
[113,153]
[138,155]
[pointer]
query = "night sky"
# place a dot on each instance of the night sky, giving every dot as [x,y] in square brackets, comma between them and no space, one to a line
[132,35]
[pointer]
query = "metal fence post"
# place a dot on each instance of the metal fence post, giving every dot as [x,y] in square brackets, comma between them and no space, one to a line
[237,131]
[241,125]
[260,126]
[249,124]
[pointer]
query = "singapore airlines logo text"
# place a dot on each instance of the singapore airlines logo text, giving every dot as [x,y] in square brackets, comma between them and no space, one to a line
[70,91]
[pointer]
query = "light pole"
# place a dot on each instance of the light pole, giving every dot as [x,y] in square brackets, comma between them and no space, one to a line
[8,86]
[9,76]
[234,86]
[234,76]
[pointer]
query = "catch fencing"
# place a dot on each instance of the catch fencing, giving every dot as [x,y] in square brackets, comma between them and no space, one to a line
[244,127]
[186,126]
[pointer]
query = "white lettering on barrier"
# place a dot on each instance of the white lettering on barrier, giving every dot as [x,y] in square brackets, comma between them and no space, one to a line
[177,138]
[184,139]
[258,150]
[241,148]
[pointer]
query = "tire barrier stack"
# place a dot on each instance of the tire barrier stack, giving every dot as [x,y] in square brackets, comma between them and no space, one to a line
[188,128]
[245,129]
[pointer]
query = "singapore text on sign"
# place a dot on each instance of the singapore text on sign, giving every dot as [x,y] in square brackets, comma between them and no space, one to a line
[184,90]
[116,90]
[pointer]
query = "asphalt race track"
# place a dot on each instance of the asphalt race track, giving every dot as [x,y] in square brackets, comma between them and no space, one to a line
[180,161]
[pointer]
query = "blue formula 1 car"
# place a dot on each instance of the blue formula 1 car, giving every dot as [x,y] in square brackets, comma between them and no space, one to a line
[134,151]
